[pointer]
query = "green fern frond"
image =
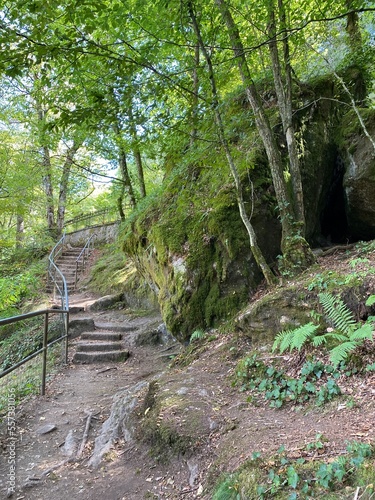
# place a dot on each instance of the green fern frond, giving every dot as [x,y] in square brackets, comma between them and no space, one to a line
[340,315]
[370,301]
[340,352]
[197,335]
[339,337]
[323,339]
[319,340]
[282,341]
[302,334]
[294,339]
[364,332]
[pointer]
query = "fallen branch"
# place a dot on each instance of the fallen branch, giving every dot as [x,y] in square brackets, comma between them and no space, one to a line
[85,434]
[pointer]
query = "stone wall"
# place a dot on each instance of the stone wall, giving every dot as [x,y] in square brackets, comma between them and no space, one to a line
[104,234]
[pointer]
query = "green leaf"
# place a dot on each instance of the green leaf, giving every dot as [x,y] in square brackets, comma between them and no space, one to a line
[340,315]
[370,301]
[293,477]
[340,352]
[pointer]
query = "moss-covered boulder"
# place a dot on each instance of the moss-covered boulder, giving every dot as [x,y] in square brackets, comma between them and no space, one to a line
[192,248]
[285,309]
[188,241]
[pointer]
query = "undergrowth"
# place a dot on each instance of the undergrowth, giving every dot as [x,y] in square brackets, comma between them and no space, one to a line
[307,476]
[316,382]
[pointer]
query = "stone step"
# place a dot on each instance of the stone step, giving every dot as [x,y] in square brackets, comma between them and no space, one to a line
[115,327]
[98,346]
[100,357]
[107,336]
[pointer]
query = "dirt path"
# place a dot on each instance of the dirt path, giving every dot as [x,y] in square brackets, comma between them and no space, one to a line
[74,393]
[224,428]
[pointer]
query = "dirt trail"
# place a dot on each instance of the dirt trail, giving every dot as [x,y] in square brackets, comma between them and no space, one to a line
[227,431]
[76,391]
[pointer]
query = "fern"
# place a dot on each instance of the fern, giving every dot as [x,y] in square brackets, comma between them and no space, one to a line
[362,333]
[294,339]
[340,352]
[197,335]
[341,317]
[347,335]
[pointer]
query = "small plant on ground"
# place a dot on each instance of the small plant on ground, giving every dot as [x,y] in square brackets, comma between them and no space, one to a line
[280,476]
[197,335]
[342,338]
[316,381]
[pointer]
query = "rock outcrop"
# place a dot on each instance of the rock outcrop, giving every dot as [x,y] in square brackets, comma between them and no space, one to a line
[190,245]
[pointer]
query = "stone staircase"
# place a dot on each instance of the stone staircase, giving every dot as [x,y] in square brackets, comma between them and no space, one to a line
[100,346]
[67,265]
[101,336]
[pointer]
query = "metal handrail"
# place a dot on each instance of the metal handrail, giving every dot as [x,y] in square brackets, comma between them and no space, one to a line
[53,270]
[92,219]
[85,252]
[46,345]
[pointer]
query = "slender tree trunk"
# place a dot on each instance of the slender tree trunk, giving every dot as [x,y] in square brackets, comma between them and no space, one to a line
[352,27]
[20,231]
[47,173]
[258,255]
[127,185]
[64,186]
[296,252]
[195,99]
[137,154]
[283,87]
[120,203]
[48,189]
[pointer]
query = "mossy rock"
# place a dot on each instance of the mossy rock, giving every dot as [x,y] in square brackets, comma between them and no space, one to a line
[282,310]
[175,416]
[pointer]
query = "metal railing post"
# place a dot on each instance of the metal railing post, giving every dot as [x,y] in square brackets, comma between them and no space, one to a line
[66,337]
[44,359]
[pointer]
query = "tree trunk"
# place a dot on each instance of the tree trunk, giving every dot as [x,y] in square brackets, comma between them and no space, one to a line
[20,231]
[127,187]
[48,189]
[137,154]
[256,251]
[194,104]
[47,173]
[296,252]
[64,186]
[283,87]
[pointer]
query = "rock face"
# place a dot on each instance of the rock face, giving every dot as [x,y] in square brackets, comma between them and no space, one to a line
[190,245]
[359,180]
[199,266]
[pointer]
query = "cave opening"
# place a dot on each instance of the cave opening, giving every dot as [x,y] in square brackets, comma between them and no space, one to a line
[333,218]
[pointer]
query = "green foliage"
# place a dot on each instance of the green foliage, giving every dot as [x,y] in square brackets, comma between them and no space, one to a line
[329,281]
[25,340]
[21,281]
[337,312]
[294,339]
[315,382]
[197,335]
[279,476]
[346,336]
[110,271]
[26,380]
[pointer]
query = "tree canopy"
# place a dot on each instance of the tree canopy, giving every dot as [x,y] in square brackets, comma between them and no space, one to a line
[122,92]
